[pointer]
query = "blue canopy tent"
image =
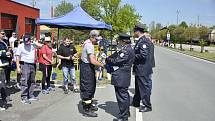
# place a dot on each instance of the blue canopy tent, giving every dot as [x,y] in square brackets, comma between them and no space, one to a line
[76,19]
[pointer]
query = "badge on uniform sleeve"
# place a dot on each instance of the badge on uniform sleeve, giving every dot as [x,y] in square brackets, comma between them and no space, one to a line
[144,46]
[121,55]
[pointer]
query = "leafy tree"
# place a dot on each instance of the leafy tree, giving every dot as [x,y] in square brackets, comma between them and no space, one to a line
[92,7]
[158,26]
[190,34]
[183,24]
[203,32]
[62,9]
[122,18]
[178,32]
[202,43]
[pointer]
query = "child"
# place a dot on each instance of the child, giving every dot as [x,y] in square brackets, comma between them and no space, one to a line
[101,56]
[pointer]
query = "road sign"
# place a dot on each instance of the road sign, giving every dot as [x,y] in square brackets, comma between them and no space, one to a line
[168,36]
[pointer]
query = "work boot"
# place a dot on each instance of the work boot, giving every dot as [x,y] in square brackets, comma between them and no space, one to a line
[93,107]
[89,113]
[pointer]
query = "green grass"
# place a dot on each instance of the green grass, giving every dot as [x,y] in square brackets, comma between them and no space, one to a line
[205,55]
[59,79]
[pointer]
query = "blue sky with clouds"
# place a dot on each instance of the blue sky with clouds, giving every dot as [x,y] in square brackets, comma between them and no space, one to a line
[162,11]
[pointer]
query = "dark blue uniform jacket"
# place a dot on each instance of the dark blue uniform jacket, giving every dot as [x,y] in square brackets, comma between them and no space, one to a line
[122,62]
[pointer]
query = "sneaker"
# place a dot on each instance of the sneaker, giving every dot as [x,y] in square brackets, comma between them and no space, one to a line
[17,86]
[25,101]
[45,91]
[100,79]
[66,91]
[51,89]
[33,99]
[76,90]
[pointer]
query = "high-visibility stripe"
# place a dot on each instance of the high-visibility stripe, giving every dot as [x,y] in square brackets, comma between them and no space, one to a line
[88,101]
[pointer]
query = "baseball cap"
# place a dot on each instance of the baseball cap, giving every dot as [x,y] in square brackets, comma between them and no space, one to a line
[26,38]
[47,39]
[94,33]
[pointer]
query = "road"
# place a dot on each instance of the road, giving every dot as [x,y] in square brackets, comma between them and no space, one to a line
[183,90]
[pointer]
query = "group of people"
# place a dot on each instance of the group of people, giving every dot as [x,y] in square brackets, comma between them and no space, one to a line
[25,55]
[119,65]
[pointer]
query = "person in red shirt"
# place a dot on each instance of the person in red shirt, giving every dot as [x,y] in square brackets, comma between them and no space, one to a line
[46,60]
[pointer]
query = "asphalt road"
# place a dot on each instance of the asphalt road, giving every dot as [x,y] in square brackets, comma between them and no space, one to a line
[183,88]
[57,106]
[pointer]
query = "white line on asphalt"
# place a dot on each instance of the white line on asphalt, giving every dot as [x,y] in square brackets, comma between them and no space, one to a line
[139,115]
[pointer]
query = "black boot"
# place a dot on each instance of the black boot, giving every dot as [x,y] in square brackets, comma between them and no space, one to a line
[93,107]
[87,111]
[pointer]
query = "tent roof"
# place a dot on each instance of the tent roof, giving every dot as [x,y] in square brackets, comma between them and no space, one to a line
[77,18]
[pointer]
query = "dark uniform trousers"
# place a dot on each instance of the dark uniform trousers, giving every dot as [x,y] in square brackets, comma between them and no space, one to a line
[87,82]
[27,79]
[123,100]
[2,84]
[142,85]
[121,77]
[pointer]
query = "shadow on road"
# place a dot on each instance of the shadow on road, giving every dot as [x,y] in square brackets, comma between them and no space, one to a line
[110,107]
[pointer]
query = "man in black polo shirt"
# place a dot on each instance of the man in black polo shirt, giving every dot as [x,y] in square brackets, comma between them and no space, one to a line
[67,52]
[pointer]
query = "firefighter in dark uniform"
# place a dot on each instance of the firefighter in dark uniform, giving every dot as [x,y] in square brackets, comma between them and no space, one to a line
[142,69]
[121,63]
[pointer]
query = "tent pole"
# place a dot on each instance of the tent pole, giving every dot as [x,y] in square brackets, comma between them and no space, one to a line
[58,33]
[111,38]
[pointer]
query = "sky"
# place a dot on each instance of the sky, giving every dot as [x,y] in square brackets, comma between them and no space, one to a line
[160,11]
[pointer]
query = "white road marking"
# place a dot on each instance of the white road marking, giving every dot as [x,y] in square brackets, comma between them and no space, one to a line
[139,115]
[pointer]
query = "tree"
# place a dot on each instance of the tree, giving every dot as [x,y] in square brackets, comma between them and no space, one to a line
[190,34]
[203,32]
[152,27]
[62,9]
[158,26]
[183,24]
[202,43]
[178,32]
[92,7]
[122,18]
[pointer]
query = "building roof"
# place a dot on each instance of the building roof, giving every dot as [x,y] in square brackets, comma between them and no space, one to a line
[22,4]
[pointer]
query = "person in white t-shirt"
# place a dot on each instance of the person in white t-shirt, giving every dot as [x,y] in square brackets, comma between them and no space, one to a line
[12,40]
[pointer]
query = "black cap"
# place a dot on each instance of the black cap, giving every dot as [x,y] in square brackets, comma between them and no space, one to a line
[140,27]
[26,38]
[123,36]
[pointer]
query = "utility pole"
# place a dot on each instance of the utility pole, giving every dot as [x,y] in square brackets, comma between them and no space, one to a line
[198,21]
[33,3]
[52,9]
[177,15]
